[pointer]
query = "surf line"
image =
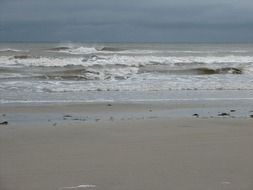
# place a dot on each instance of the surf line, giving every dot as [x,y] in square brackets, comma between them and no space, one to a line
[80,186]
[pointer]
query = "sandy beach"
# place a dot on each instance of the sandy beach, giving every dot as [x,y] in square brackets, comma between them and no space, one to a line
[123,146]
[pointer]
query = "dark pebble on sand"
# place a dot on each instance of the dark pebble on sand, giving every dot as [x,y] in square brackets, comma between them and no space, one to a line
[4,123]
[195,115]
[223,114]
[232,110]
[251,116]
[109,104]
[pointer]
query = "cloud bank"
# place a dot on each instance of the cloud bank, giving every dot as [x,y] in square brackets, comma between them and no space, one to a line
[127,21]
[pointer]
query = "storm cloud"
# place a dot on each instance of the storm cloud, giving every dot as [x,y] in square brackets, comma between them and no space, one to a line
[127,21]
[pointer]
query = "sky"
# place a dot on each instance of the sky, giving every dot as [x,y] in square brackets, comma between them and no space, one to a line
[126,20]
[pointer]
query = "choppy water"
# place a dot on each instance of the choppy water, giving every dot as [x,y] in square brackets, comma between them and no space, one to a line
[60,68]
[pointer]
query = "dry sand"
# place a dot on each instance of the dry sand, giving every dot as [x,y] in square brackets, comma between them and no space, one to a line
[43,148]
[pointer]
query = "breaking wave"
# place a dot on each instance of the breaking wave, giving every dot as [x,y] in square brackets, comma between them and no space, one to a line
[93,59]
[75,51]
[66,67]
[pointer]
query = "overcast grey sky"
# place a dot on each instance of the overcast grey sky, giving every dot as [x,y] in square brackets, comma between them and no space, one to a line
[127,20]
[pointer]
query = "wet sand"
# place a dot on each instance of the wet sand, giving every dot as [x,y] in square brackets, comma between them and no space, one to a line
[123,147]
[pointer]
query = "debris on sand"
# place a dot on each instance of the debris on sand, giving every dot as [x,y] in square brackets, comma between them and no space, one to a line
[4,123]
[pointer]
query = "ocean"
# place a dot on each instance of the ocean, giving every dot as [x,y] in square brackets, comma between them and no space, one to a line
[73,72]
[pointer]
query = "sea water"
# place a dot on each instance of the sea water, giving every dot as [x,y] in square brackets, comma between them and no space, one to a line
[76,72]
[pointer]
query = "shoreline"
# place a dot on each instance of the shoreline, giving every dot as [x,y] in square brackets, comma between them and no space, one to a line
[123,96]
[205,109]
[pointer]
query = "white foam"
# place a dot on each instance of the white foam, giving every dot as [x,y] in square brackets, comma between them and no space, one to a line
[88,50]
[80,186]
[126,60]
[125,100]
[226,182]
[137,82]
[42,61]
[80,50]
